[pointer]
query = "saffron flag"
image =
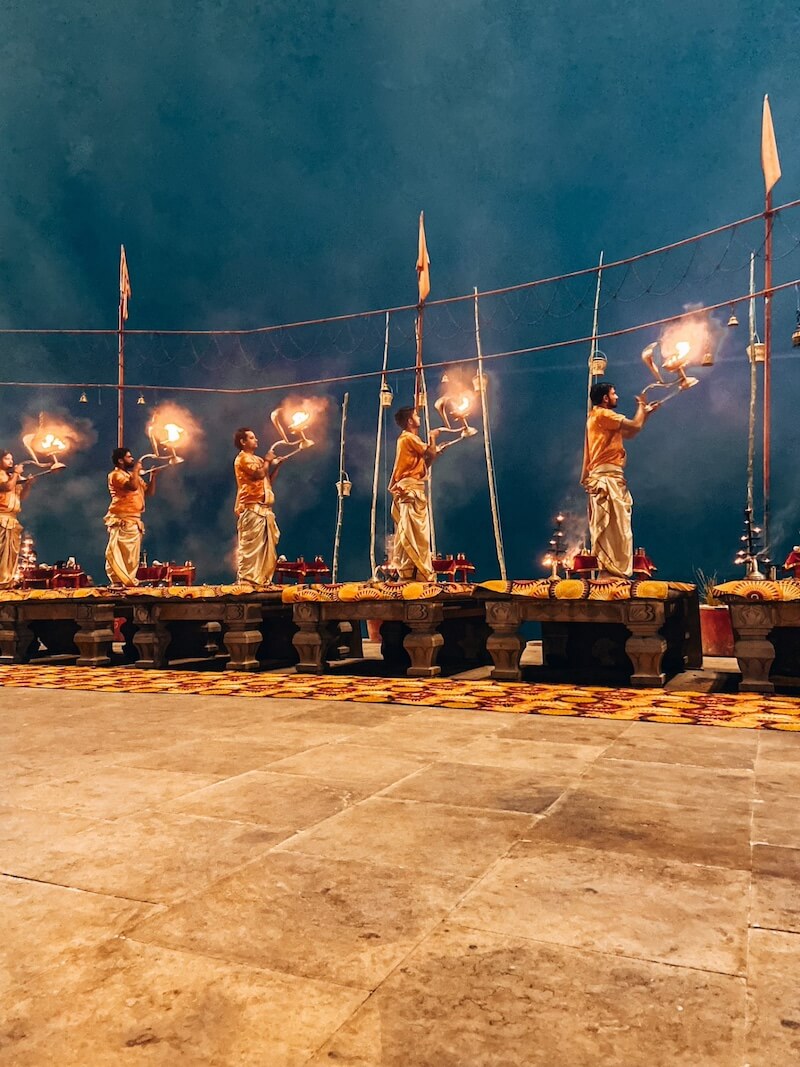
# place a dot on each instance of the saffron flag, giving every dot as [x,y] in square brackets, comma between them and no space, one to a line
[770,163]
[124,282]
[423,262]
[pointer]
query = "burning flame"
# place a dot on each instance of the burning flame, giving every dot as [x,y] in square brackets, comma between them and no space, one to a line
[49,443]
[463,406]
[300,418]
[174,433]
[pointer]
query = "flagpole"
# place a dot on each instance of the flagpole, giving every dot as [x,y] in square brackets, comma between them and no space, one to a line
[122,314]
[768,217]
[771,166]
[120,376]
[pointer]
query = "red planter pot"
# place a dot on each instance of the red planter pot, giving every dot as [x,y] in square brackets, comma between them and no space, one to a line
[716,630]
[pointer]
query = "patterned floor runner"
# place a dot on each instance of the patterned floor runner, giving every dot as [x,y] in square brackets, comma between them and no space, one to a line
[746,711]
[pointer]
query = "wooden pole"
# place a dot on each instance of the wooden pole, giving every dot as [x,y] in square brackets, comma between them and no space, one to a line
[751,426]
[487,447]
[373,562]
[593,347]
[340,493]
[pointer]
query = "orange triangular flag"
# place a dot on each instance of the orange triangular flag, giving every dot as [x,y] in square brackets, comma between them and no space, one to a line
[423,262]
[124,282]
[770,163]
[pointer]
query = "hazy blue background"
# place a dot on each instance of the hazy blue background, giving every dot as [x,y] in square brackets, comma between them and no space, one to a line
[265,163]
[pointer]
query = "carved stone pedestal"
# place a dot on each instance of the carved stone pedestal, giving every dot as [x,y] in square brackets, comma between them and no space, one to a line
[79,629]
[415,630]
[648,637]
[758,627]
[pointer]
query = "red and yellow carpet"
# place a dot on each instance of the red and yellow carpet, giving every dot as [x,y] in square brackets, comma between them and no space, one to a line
[745,711]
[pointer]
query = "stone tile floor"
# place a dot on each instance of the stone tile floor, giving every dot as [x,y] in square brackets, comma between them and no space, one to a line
[190,880]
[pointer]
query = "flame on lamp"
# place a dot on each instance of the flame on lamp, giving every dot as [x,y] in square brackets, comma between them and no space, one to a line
[291,429]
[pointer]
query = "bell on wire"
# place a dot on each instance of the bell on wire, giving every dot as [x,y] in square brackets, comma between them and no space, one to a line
[83,398]
[756,353]
[733,321]
[598,363]
[796,334]
[708,359]
[140,399]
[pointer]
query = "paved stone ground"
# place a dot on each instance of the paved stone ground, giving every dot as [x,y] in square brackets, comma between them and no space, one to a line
[198,881]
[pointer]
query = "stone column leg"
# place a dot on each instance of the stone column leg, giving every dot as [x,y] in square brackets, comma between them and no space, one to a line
[95,634]
[242,635]
[16,637]
[504,644]
[646,645]
[424,641]
[151,638]
[754,651]
[313,638]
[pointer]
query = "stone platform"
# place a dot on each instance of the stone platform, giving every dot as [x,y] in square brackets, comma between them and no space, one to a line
[247,628]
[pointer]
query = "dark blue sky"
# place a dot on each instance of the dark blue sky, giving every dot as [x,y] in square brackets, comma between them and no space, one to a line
[265,163]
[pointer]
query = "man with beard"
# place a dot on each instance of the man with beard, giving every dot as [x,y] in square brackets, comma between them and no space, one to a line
[13,491]
[610,502]
[124,517]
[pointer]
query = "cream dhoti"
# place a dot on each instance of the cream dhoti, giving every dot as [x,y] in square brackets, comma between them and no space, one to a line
[10,539]
[610,506]
[258,536]
[412,535]
[123,549]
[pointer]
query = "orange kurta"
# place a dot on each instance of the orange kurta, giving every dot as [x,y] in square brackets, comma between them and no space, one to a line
[409,459]
[126,503]
[250,487]
[603,444]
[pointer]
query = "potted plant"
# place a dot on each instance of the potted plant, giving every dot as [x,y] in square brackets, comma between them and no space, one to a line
[716,631]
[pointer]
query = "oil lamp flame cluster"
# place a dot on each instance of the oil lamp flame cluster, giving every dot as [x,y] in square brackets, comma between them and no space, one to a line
[556,554]
[292,430]
[454,410]
[165,438]
[672,362]
[45,449]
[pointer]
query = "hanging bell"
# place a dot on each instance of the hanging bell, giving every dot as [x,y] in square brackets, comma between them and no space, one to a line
[83,398]
[598,364]
[796,334]
[445,378]
[733,321]
[708,359]
[757,352]
[140,399]
[386,396]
